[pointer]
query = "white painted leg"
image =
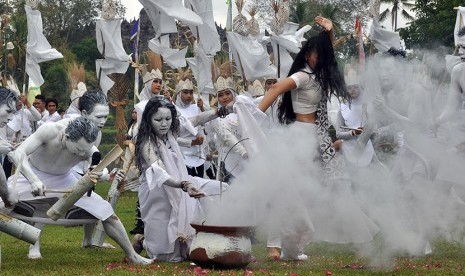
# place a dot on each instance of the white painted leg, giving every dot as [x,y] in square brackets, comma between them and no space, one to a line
[34,249]
[115,230]
[88,232]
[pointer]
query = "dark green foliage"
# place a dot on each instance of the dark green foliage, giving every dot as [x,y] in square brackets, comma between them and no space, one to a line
[86,52]
[434,25]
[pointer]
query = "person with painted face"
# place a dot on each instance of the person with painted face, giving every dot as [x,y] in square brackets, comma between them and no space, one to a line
[46,158]
[167,192]
[190,140]
[8,104]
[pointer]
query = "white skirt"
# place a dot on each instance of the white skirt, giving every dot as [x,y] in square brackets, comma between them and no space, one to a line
[94,205]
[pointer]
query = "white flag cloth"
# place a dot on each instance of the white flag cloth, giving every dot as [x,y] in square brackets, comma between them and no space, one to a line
[209,38]
[109,43]
[459,23]
[202,70]
[109,66]
[289,41]
[383,39]
[163,12]
[251,56]
[175,58]
[38,49]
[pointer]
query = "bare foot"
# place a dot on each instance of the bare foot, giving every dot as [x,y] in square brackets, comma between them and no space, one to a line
[138,259]
[34,252]
[325,23]
[273,254]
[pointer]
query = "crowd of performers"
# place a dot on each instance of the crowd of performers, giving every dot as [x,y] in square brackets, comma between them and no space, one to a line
[391,168]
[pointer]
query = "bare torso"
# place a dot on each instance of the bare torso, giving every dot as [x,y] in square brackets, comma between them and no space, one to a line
[51,156]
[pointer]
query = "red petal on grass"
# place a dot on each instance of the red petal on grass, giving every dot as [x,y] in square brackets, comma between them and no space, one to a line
[328,273]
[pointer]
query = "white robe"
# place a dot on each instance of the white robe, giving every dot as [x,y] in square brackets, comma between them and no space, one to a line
[166,211]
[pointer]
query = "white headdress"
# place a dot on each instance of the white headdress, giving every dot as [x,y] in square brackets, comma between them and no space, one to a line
[223,83]
[256,89]
[184,85]
[154,74]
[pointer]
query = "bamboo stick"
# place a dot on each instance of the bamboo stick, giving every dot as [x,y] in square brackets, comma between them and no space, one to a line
[18,229]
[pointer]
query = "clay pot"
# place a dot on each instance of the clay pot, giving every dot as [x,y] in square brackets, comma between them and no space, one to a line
[221,247]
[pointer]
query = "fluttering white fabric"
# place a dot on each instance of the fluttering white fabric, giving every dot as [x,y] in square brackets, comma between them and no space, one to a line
[251,120]
[289,41]
[200,66]
[382,38]
[459,24]
[175,58]
[162,13]
[110,45]
[109,66]
[251,56]
[38,49]
[209,38]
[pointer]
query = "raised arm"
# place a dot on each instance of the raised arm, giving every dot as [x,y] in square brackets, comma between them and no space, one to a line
[275,90]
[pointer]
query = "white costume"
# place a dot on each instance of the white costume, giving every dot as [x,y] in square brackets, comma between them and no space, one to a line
[353,116]
[21,122]
[94,204]
[167,211]
[194,156]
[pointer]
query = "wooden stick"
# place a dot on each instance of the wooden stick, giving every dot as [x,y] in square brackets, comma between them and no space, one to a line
[81,187]
[349,128]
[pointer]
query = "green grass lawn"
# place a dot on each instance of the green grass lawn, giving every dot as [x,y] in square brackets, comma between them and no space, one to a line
[62,255]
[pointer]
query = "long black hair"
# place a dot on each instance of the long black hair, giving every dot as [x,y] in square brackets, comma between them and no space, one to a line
[326,73]
[146,132]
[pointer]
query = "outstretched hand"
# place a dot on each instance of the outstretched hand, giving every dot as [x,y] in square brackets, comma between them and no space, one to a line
[193,191]
[325,23]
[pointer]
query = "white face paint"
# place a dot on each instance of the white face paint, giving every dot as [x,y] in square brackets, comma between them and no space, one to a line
[80,148]
[161,122]
[6,114]
[99,115]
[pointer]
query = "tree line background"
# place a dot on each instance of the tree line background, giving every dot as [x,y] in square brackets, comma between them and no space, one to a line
[69,25]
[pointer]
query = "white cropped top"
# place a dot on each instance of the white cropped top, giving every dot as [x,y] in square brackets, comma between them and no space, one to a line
[307,95]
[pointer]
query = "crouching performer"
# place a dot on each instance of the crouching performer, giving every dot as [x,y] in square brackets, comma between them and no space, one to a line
[46,157]
[167,192]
